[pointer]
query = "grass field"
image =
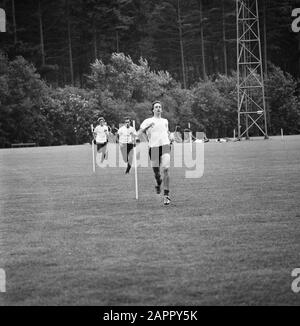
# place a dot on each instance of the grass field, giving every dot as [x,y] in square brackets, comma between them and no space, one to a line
[68,237]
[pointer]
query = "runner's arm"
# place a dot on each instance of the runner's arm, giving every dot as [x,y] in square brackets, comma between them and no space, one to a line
[144,129]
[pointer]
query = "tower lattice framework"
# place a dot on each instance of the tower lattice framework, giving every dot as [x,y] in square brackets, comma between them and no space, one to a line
[250,77]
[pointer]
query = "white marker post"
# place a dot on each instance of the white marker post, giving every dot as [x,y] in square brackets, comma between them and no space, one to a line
[233,133]
[93,150]
[2,21]
[281,134]
[2,281]
[190,137]
[135,167]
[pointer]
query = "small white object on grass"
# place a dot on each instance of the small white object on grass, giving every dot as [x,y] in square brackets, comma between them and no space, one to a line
[198,141]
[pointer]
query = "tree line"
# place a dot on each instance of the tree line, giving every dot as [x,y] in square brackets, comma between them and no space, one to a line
[190,39]
[63,63]
[32,110]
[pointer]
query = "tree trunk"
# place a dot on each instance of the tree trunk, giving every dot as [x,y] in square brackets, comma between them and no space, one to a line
[117,41]
[41,33]
[70,43]
[181,44]
[247,126]
[14,21]
[95,39]
[202,40]
[143,13]
[299,51]
[224,39]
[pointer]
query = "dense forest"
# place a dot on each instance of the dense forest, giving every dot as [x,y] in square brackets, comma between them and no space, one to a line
[65,62]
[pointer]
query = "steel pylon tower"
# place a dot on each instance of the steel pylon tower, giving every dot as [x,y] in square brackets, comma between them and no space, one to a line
[250,78]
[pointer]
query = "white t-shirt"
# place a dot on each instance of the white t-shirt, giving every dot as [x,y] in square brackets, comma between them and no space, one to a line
[158,135]
[101,136]
[125,136]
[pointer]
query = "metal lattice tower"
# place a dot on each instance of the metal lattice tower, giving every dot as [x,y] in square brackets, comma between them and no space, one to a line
[250,78]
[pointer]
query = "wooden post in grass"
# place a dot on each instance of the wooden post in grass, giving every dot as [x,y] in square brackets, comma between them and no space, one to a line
[135,167]
[93,150]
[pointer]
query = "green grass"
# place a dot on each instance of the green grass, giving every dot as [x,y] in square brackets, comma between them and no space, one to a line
[68,237]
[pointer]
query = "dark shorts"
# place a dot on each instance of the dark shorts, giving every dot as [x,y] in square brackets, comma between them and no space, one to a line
[125,150]
[101,145]
[155,153]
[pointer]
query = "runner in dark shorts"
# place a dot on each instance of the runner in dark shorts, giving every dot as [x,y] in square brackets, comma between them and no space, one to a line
[126,139]
[101,133]
[156,129]
[101,145]
[155,153]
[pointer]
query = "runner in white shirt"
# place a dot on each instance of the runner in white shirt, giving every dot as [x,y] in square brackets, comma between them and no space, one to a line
[101,137]
[126,137]
[157,131]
